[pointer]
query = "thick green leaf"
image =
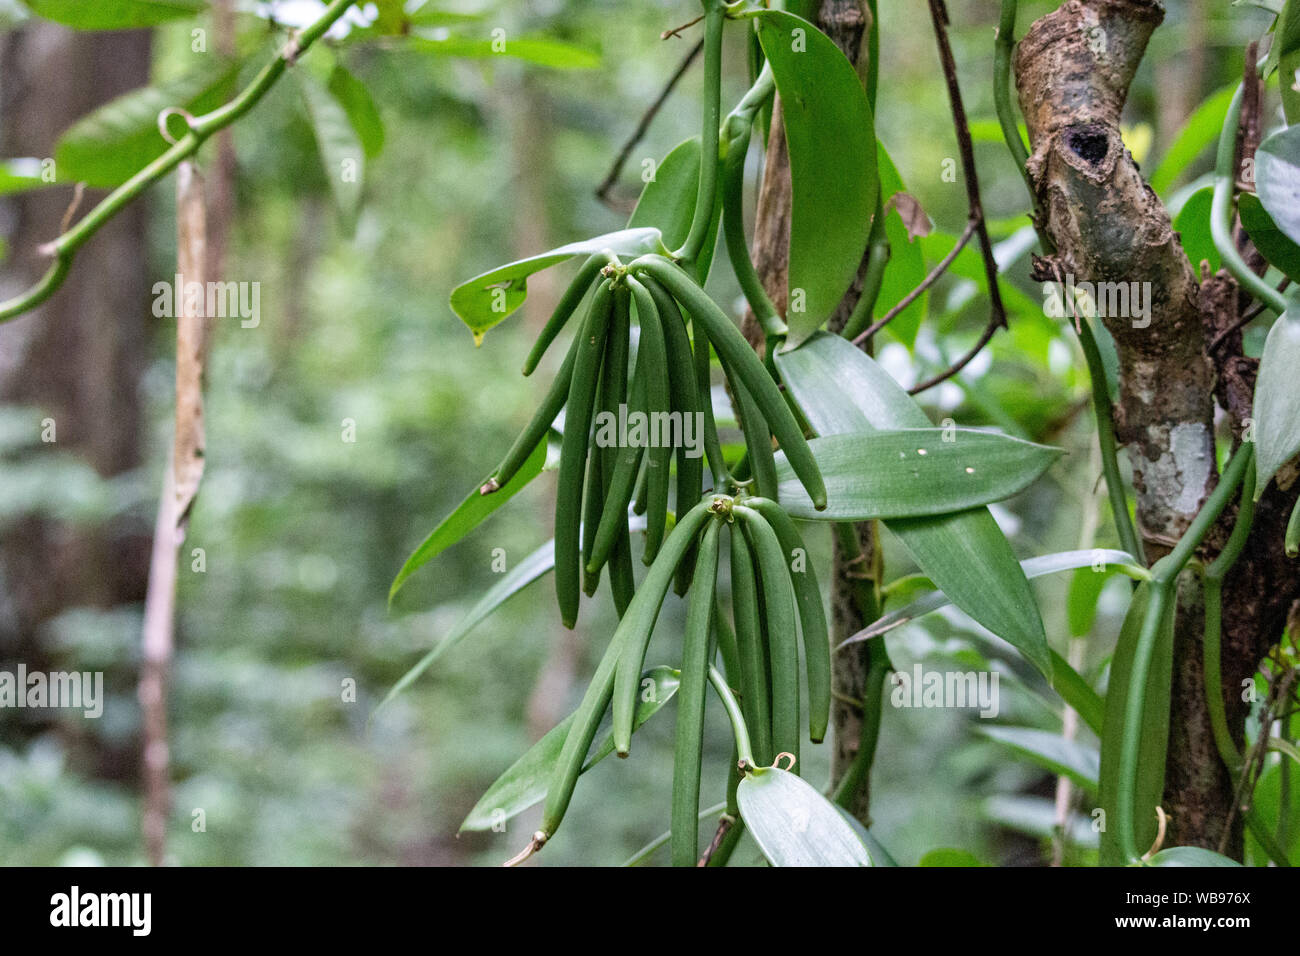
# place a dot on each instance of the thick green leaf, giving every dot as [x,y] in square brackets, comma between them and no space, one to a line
[108,146]
[114,14]
[794,825]
[468,516]
[1052,752]
[913,472]
[949,856]
[1202,129]
[1277,399]
[1155,729]
[486,299]
[668,203]
[1266,804]
[341,152]
[360,107]
[906,267]
[21,175]
[539,51]
[515,580]
[830,133]
[875,849]
[1272,243]
[524,783]
[840,389]
[1193,226]
[1190,856]
[1277,179]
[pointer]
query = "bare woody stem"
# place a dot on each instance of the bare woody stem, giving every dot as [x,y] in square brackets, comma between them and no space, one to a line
[200,129]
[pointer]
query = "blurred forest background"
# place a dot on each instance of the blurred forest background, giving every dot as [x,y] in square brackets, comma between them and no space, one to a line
[484,160]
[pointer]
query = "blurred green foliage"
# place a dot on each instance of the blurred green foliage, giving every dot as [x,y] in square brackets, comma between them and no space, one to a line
[303,531]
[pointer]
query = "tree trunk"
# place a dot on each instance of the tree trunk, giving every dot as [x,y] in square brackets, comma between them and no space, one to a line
[845,22]
[1073,69]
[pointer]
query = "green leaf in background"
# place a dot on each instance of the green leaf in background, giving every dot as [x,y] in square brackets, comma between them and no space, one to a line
[1202,129]
[1286,47]
[841,389]
[1266,804]
[1277,179]
[1277,399]
[668,203]
[486,299]
[22,175]
[1273,244]
[913,472]
[1155,729]
[114,14]
[360,107]
[512,582]
[540,51]
[906,267]
[524,783]
[341,152]
[468,516]
[1052,752]
[429,16]
[830,134]
[1193,226]
[1190,856]
[108,146]
[793,824]
[949,856]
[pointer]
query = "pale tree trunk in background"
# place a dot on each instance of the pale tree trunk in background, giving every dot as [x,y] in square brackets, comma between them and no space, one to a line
[79,357]
[845,22]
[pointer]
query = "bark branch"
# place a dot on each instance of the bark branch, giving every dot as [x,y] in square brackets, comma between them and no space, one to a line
[1073,69]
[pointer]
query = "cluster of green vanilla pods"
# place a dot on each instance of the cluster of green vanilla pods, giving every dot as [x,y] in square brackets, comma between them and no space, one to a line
[680,328]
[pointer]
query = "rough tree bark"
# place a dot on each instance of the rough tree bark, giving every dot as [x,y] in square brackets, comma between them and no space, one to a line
[845,22]
[1073,69]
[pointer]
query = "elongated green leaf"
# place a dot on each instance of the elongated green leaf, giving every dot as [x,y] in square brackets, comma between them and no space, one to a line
[1193,226]
[794,825]
[949,856]
[360,107]
[1286,49]
[830,134]
[468,516]
[108,146]
[875,849]
[486,299]
[913,472]
[1155,729]
[1272,243]
[21,175]
[114,14]
[906,266]
[524,783]
[840,389]
[1202,129]
[1277,399]
[1277,179]
[539,51]
[1190,856]
[341,151]
[1052,752]
[515,580]
[668,203]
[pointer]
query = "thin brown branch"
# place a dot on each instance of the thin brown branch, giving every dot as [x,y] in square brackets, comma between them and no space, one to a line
[962,362]
[724,825]
[677,31]
[925,283]
[616,170]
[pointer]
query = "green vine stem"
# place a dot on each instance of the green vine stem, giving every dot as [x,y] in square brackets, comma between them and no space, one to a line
[1006,39]
[1292,540]
[715,16]
[200,129]
[1164,577]
[1213,586]
[1101,407]
[878,253]
[744,750]
[1221,213]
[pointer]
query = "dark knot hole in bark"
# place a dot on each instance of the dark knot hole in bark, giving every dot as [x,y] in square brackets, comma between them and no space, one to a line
[1090,143]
